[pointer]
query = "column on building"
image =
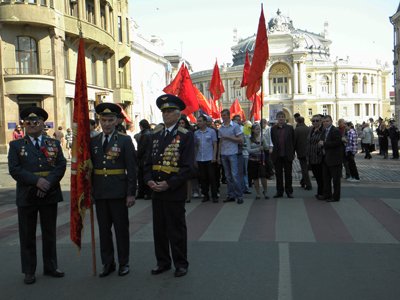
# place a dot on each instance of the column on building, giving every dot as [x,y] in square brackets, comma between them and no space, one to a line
[295,78]
[108,23]
[82,9]
[265,84]
[97,13]
[333,83]
[302,76]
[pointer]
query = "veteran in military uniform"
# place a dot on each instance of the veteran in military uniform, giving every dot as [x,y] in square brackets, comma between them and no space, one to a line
[37,163]
[113,187]
[167,169]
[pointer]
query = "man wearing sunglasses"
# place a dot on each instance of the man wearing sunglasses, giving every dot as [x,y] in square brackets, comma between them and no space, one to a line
[37,164]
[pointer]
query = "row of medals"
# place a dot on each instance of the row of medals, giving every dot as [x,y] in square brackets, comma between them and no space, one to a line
[171,154]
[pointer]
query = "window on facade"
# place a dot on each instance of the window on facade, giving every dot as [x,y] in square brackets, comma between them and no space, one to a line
[111,28]
[279,76]
[365,85]
[374,109]
[355,84]
[32,1]
[43,2]
[94,73]
[19,1]
[372,85]
[66,63]
[90,11]
[325,110]
[119,29]
[357,110]
[127,30]
[310,114]
[73,6]
[325,85]
[105,74]
[237,90]
[103,18]
[309,89]
[344,89]
[367,109]
[26,55]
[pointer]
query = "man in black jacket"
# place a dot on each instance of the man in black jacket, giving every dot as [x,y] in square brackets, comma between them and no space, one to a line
[144,145]
[37,163]
[332,160]
[167,169]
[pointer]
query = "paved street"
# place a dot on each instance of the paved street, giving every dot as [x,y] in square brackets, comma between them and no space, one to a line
[281,249]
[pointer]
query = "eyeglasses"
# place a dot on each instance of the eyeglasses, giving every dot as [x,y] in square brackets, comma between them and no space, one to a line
[34,123]
[315,121]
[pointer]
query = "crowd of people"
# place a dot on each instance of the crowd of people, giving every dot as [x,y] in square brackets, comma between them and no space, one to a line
[171,163]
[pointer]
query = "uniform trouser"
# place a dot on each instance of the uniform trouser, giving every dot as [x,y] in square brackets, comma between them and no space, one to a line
[143,188]
[27,221]
[207,178]
[395,147]
[317,172]
[283,165]
[169,230]
[332,174]
[305,177]
[113,212]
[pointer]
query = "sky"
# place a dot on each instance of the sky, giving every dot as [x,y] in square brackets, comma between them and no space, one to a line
[202,30]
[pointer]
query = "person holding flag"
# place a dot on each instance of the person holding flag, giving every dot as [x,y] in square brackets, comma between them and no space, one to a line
[113,187]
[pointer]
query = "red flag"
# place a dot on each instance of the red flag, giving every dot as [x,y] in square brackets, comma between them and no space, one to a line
[215,112]
[81,166]
[123,112]
[174,86]
[255,111]
[182,86]
[236,109]
[192,118]
[260,57]
[203,102]
[246,70]
[216,86]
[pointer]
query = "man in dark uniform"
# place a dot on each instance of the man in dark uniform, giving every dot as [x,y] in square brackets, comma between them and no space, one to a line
[167,169]
[113,187]
[37,163]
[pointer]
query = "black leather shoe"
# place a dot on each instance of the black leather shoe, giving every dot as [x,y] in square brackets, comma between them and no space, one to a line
[205,199]
[278,195]
[308,188]
[289,195]
[54,273]
[239,201]
[321,197]
[29,278]
[158,270]
[332,200]
[123,270]
[229,200]
[179,272]
[107,269]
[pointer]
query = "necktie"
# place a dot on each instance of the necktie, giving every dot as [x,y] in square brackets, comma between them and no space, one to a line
[105,143]
[167,133]
[37,146]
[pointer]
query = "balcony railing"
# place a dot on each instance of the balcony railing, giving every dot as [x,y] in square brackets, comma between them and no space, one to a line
[28,71]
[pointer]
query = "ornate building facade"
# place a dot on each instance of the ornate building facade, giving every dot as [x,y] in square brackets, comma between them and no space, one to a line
[38,55]
[395,20]
[301,77]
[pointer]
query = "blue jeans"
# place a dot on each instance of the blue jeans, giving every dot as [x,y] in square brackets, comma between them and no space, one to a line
[230,163]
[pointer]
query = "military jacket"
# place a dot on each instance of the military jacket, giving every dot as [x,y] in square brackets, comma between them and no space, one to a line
[114,171]
[171,159]
[27,164]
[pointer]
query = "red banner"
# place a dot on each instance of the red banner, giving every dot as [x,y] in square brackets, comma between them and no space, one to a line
[203,102]
[216,86]
[260,57]
[236,109]
[246,70]
[81,166]
[255,111]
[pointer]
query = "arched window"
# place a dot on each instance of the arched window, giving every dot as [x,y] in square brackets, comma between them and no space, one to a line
[355,84]
[279,76]
[237,90]
[26,55]
[325,85]
[365,84]
[309,89]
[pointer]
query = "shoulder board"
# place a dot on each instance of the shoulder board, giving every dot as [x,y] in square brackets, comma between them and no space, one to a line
[158,128]
[121,133]
[183,130]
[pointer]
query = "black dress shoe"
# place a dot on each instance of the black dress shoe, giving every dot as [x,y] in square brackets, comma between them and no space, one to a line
[332,200]
[29,278]
[308,188]
[278,195]
[158,270]
[289,195]
[123,270]
[239,201]
[107,269]
[54,273]
[321,197]
[205,199]
[229,200]
[179,272]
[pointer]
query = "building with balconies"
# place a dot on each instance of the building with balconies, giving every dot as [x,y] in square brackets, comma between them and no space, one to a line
[38,55]
[300,77]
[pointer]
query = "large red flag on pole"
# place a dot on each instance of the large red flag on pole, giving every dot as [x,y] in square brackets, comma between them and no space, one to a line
[203,102]
[216,86]
[256,107]
[246,70]
[215,111]
[81,166]
[236,109]
[174,87]
[260,57]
